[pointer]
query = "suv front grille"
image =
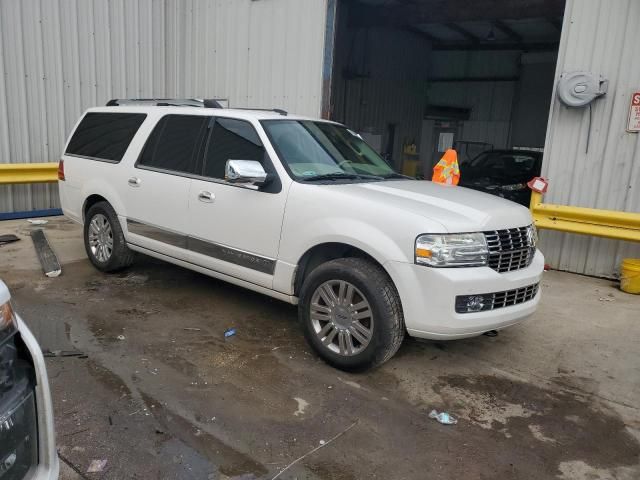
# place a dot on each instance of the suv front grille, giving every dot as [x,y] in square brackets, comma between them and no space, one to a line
[511,249]
[491,301]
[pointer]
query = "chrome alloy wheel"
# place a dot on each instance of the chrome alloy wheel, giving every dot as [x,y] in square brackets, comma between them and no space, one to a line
[100,238]
[341,317]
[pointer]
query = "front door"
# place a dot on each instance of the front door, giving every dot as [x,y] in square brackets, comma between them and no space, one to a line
[158,185]
[235,229]
[444,137]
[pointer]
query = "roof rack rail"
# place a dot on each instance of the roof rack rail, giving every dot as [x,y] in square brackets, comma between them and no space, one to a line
[170,102]
[279,111]
[187,102]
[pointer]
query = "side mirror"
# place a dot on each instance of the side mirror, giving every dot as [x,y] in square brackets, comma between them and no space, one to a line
[245,171]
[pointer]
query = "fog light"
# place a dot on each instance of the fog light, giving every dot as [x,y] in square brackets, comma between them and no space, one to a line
[470,303]
[475,303]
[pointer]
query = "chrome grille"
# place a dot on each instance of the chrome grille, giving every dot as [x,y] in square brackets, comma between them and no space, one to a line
[511,249]
[491,301]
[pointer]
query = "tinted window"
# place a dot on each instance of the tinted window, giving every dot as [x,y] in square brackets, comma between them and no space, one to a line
[231,140]
[174,144]
[105,136]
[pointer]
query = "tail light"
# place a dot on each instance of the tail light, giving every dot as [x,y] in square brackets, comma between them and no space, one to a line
[61,170]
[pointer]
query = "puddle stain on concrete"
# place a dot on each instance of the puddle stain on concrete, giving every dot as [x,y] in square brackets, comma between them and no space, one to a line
[230,462]
[107,378]
[513,407]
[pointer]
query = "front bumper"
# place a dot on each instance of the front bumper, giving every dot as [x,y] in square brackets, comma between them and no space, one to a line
[428,298]
[46,466]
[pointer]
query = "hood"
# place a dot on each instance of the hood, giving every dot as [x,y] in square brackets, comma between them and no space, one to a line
[457,209]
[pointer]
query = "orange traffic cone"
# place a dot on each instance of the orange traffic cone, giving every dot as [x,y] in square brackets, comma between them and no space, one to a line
[446,170]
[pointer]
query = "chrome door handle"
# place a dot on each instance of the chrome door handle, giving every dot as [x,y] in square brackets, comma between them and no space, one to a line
[134,182]
[207,197]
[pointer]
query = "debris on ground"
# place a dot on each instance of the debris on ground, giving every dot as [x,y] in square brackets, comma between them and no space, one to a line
[63,353]
[4,239]
[121,337]
[47,257]
[313,450]
[192,329]
[37,222]
[229,333]
[443,417]
[96,466]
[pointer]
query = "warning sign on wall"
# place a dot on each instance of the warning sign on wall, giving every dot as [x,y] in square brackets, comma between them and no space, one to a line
[634,113]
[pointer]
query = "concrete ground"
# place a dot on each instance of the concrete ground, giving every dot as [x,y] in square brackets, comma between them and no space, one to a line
[160,394]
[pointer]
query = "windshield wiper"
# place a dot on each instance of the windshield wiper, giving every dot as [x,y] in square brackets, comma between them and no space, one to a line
[397,175]
[340,176]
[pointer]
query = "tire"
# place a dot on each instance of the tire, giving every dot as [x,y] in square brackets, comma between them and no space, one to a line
[102,217]
[379,330]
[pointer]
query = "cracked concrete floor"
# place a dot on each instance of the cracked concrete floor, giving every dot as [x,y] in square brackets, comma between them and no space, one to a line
[161,394]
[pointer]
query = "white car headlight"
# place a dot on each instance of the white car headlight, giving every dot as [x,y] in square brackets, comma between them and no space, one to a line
[7,319]
[452,250]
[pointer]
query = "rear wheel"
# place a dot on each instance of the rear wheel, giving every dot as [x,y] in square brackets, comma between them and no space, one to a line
[104,239]
[351,314]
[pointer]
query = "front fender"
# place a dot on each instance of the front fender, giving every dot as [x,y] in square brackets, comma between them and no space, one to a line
[373,241]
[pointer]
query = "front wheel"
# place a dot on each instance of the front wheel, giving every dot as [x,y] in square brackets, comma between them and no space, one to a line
[351,314]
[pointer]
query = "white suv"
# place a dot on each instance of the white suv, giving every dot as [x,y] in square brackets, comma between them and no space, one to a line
[305,211]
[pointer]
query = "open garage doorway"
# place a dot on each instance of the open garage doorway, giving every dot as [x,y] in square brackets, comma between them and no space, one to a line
[416,77]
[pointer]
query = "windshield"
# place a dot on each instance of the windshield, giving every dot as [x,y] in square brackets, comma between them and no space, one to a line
[324,150]
[506,165]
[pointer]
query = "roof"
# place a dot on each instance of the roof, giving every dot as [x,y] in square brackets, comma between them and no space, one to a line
[188,110]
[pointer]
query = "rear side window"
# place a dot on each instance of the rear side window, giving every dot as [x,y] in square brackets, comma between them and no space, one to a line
[174,144]
[105,136]
[231,140]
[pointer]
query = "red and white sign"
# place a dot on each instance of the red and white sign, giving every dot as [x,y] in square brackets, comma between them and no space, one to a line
[634,113]
[538,184]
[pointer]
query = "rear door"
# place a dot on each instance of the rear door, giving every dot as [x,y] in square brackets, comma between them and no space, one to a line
[92,157]
[235,229]
[158,185]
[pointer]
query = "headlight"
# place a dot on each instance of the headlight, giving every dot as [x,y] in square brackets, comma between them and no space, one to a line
[514,187]
[7,320]
[452,250]
[8,354]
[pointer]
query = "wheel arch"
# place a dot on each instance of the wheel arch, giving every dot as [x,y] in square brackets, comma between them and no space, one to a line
[90,201]
[324,252]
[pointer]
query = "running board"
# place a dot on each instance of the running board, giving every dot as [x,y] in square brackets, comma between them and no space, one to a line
[47,257]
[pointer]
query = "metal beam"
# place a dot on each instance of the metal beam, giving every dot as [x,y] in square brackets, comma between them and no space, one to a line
[472,79]
[425,35]
[491,46]
[586,221]
[445,11]
[462,31]
[508,31]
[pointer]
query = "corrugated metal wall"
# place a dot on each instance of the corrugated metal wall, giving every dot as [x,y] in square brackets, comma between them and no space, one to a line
[58,57]
[491,102]
[380,79]
[600,36]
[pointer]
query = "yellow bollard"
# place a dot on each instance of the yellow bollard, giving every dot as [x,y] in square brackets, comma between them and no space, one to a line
[630,275]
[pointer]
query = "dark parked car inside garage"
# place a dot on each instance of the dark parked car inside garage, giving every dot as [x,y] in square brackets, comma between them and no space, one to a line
[504,173]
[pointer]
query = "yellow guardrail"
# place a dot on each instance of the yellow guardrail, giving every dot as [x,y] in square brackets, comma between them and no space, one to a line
[585,221]
[17,173]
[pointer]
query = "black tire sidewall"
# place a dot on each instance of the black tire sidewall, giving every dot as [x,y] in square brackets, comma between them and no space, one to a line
[370,288]
[114,262]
